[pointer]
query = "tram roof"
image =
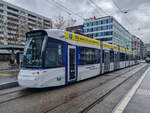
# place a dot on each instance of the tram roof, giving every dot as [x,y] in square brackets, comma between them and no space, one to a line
[83,39]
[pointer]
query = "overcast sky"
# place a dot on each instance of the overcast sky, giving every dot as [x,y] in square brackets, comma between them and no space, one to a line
[137,20]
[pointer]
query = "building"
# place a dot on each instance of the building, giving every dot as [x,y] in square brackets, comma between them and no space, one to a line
[138,46]
[147,46]
[108,29]
[16,21]
[78,28]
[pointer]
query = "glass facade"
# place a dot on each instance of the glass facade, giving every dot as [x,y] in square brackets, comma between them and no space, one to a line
[100,22]
[108,29]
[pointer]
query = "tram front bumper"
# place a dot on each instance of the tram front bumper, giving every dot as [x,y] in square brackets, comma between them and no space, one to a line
[29,82]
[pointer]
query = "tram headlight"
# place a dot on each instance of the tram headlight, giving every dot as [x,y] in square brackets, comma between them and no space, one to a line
[37,73]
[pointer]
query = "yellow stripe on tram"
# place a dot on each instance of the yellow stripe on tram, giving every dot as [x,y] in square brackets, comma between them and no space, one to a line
[1,74]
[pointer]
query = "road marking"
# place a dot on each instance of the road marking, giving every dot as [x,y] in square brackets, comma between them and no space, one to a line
[122,105]
[143,92]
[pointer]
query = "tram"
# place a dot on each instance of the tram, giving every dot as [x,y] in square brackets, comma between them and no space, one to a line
[55,57]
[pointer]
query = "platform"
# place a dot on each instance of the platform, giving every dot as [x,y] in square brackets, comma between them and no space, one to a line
[8,75]
[137,99]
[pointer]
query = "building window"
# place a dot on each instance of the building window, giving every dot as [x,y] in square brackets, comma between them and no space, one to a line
[109,26]
[104,27]
[85,30]
[99,34]
[102,33]
[12,14]
[99,28]
[95,35]
[29,15]
[1,5]
[110,32]
[1,16]
[85,25]
[90,23]
[104,21]
[95,23]
[12,9]
[99,22]
[95,29]
[91,29]
[110,20]
[90,35]
[106,39]
[1,11]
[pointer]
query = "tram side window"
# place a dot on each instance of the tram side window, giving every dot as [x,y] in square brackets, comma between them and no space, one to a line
[111,56]
[127,57]
[53,53]
[122,57]
[130,57]
[88,56]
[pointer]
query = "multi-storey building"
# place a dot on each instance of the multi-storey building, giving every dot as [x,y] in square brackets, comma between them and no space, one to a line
[138,46]
[16,21]
[108,29]
[147,46]
[78,28]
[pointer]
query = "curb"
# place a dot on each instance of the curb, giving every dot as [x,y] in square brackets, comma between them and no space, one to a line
[8,85]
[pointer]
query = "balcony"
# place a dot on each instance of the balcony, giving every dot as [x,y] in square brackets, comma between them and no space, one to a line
[12,14]
[14,25]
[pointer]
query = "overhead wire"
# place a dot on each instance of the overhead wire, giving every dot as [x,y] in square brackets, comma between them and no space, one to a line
[98,7]
[128,21]
[69,11]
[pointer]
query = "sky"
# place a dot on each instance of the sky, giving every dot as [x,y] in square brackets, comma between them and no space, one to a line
[136,19]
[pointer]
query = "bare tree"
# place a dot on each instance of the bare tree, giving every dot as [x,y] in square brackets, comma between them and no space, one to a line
[71,22]
[61,23]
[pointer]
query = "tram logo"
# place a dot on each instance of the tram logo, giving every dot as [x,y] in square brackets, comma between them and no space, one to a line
[70,36]
[58,78]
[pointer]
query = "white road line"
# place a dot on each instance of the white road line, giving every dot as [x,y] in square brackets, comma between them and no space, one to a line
[143,92]
[122,105]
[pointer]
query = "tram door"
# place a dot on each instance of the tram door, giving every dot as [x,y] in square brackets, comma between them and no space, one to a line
[106,61]
[118,60]
[115,60]
[71,63]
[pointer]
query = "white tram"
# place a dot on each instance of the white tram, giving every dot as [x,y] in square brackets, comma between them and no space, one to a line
[56,57]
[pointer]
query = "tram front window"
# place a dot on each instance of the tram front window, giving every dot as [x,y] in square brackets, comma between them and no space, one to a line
[53,54]
[32,53]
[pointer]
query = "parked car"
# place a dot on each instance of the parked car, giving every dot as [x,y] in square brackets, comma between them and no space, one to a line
[147,59]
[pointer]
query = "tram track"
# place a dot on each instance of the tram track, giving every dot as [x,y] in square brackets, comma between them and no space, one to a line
[13,91]
[11,95]
[72,97]
[97,101]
